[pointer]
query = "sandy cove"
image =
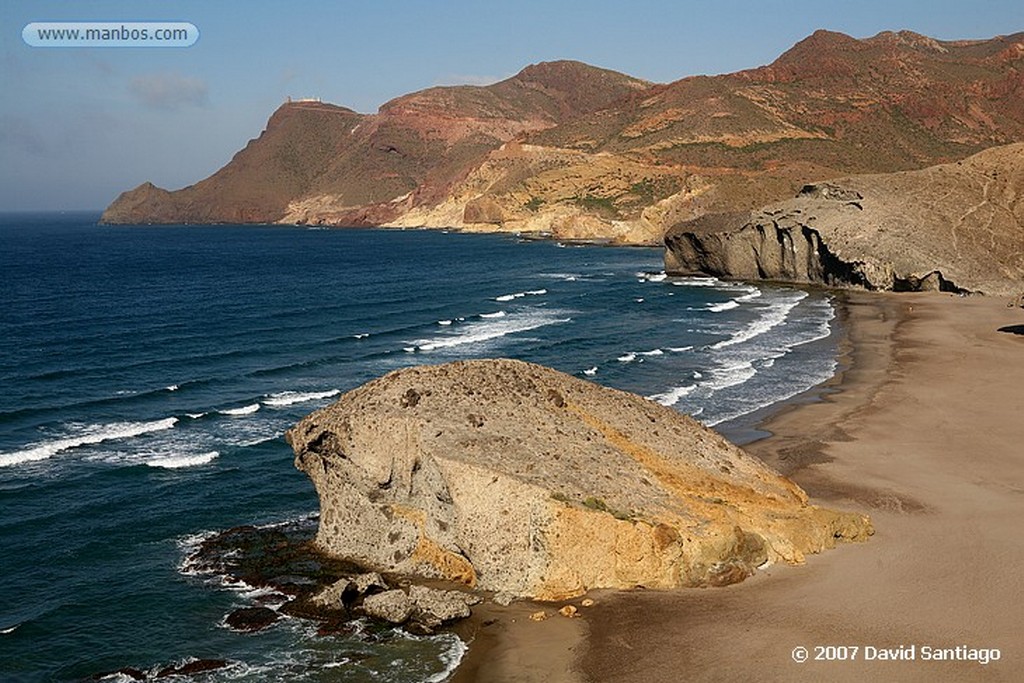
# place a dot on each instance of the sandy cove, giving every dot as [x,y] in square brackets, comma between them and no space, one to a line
[925,432]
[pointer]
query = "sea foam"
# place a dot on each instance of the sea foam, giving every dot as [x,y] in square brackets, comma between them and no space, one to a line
[173,462]
[244,410]
[87,436]
[287,398]
[491,328]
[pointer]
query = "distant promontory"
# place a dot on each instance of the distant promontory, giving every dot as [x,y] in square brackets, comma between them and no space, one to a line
[575,151]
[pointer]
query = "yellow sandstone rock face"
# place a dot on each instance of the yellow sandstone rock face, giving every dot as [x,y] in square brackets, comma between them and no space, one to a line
[513,477]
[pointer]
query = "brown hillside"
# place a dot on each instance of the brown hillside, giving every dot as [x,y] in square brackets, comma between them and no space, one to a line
[582,152]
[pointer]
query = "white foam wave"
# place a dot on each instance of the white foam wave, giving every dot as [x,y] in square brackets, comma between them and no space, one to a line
[12,629]
[195,416]
[639,301]
[489,330]
[775,314]
[627,358]
[652,352]
[172,387]
[244,410]
[520,295]
[652,277]
[749,296]
[444,322]
[697,282]
[173,462]
[672,396]
[590,372]
[728,305]
[287,398]
[496,314]
[730,376]
[680,349]
[362,335]
[87,436]
[451,657]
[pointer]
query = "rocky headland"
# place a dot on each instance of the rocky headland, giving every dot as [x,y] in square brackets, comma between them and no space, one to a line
[955,227]
[510,477]
[577,152]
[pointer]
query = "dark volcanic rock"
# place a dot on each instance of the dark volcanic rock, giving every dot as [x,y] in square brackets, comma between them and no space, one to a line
[251,618]
[192,668]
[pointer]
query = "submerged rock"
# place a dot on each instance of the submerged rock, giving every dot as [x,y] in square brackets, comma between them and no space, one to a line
[515,478]
[251,618]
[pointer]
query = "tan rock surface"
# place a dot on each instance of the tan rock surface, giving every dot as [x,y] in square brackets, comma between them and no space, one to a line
[954,227]
[513,477]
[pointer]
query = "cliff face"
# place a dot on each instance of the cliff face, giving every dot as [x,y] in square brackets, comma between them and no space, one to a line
[955,227]
[513,477]
[577,151]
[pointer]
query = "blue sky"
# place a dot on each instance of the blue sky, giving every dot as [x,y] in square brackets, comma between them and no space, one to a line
[79,125]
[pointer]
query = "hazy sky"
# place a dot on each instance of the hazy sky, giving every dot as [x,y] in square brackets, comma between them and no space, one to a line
[77,125]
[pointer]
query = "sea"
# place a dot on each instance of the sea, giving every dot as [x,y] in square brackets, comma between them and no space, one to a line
[148,374]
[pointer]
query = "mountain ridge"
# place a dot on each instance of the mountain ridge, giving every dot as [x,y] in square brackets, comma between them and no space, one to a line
[576,151]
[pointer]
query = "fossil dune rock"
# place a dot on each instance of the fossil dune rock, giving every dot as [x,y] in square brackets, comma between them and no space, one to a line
[955,227]
[513,477]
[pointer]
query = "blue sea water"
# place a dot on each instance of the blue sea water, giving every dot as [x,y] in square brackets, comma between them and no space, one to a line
[147,375]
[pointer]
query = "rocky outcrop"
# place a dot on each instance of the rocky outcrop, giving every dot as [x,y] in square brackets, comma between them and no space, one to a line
[954,227]
[512,477]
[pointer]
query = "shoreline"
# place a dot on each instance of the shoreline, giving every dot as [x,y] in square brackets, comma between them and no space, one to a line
[920,428]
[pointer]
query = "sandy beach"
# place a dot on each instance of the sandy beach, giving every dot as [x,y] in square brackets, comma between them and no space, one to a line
[923,431]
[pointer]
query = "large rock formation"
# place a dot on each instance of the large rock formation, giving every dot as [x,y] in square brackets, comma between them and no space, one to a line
[513,477]
[955,227]
[582,152]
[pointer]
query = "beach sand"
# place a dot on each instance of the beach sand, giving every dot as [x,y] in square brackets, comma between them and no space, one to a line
[924,431]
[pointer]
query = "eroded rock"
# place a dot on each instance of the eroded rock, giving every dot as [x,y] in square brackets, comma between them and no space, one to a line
[556,486]
[393,606]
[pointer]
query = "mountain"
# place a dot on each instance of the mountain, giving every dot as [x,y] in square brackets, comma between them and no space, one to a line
[581,152]
[320,163]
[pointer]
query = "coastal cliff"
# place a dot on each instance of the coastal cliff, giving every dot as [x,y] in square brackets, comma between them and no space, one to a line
[511,477]
[578,152]
[955,227]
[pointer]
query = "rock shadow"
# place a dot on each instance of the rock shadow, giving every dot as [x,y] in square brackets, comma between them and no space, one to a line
[1013,329]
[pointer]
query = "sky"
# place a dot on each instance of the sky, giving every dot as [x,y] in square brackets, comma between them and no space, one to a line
[80,125]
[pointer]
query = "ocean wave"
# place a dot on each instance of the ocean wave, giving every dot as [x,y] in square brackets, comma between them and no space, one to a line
[680,349]
[171,387]
[627,358]
[287,398]
[9,629]
[173,462]
[809,382]
[489,329]
[697,282]
[726,306]
[88,435]
[520,295]
[752,294]
[652,352]
[672,396]
[645,276]
[496,314]
[444,323]
[730,376]
[244,410]
[361,335]
[195,416]
[590,372]
[774,314]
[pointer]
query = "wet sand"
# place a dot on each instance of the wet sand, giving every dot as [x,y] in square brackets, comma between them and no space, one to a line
[924,431]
